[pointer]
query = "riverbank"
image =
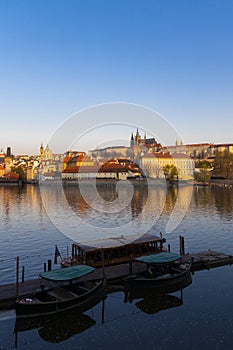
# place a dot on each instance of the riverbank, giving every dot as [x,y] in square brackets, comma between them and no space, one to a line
[216,183]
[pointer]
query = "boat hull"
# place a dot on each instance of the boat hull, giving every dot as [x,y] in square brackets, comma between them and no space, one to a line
[162,284]
[33,306]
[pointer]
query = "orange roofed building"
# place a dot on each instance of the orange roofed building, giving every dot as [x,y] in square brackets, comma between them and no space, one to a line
[111,169]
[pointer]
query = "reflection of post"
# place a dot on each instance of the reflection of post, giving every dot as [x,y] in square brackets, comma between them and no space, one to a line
[16,340]
[130,265]
[17,276]
[102,254]
[103,307]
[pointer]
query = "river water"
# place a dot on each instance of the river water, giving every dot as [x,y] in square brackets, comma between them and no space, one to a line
[34,219]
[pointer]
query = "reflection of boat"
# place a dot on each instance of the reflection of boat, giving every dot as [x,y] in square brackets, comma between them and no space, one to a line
[114,250]
[165,272]
[158,303]
[60,330]
[151,302]
[56,328]
[60,298]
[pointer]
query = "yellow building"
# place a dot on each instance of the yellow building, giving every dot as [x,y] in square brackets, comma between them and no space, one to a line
[153,163]
[2,170]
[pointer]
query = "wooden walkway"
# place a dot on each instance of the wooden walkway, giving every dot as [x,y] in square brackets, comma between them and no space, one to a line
[200,261]
[208,259]
[112,274]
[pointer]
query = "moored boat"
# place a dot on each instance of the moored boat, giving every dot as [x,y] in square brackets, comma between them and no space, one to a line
[165,272]
[114,250]
[63,297]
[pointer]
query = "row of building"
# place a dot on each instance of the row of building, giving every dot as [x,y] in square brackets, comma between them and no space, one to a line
[144,157]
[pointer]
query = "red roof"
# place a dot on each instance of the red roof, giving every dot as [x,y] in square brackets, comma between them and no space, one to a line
[109,168]
[166,155]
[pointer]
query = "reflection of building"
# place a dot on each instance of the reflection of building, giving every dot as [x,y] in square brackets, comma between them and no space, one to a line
[153,163]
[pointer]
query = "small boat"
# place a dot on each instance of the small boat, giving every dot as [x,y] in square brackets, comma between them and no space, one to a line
[165,272]
[63,297]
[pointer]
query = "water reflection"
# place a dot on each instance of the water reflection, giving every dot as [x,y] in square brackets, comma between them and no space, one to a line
[55,329]
[62,326]
[223,199]
[154,304]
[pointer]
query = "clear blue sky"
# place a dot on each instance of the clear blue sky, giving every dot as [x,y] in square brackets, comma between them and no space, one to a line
[58,57]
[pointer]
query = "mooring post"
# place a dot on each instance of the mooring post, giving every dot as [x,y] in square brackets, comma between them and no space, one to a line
[49,265]
[168,248]
[23,271]
[181,245]
[44,267]
[17,276]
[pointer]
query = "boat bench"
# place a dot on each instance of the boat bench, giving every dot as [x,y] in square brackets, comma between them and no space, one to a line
[61,293]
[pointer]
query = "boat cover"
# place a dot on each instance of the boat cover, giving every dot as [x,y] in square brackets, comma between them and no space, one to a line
[68,273]
[114,242]
[159,258]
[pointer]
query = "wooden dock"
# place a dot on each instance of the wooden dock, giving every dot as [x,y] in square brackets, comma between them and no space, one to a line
[208,259]
[203,260]
[112,273]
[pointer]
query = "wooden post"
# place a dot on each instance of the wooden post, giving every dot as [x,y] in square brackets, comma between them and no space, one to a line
[49,265]
[181,245]
[168,248]
[23,270]
[17,276]
[44,267]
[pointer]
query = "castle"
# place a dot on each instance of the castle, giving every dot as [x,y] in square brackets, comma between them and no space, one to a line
[150,143]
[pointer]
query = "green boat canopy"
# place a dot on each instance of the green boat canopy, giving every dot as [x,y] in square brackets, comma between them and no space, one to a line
[68,273]
[159,258]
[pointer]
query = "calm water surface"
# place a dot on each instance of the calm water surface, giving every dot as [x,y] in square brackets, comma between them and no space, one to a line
[203,320]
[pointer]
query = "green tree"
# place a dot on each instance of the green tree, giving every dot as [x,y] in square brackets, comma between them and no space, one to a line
[170,172]
[223,164]
[19,170]
[204,174]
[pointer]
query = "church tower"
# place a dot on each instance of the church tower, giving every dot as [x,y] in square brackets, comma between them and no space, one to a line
[41,151]
[132,141]
[137,137]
